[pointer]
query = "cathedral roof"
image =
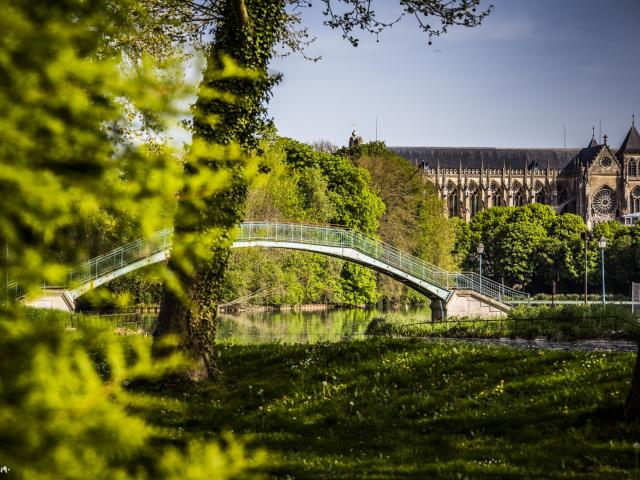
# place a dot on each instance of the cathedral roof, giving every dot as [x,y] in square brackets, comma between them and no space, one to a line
[631,143]
[473,157]
[588,155]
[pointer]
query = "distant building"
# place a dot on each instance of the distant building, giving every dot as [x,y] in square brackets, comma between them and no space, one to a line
[598,182]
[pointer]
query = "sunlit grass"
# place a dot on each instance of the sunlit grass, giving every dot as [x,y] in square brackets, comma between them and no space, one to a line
[385,408]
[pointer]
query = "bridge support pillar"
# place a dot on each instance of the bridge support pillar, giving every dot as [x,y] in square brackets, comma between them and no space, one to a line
[53,300]
[468,303]
[437,310]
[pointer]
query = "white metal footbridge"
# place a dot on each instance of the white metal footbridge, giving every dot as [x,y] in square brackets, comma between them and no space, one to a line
[463,293]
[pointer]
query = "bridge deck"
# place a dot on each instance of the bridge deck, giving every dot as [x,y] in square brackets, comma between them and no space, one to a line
[335,241]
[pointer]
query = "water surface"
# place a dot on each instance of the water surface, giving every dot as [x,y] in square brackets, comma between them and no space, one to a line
[330,325]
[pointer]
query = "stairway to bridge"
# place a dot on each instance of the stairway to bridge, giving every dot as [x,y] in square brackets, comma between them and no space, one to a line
[452,293]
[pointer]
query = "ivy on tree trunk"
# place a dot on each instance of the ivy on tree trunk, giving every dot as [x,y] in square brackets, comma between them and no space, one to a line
[246,34]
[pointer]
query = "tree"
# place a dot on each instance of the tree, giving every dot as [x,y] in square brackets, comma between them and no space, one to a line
[414,219]
[354,205]
[65,408]
[247,31]
[529,246]
[63,154]
[302,185]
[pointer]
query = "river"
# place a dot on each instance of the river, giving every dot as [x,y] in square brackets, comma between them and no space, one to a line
[330,325]
[333,325]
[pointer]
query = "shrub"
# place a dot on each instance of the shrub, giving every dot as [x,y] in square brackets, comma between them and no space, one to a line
[65,410]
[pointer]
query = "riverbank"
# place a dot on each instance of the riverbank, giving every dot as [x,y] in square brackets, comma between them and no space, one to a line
[390,408]
[308,307]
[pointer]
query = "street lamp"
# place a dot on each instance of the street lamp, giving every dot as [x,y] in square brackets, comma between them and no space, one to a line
[480,250]
[602,243]
[587,237]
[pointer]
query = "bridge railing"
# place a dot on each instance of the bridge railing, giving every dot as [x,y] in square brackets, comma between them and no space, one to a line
[341,237]
[488,287]
[161,241]
[120,257]
[15,290]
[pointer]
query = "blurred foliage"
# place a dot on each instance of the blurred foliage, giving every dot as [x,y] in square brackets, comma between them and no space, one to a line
[67,411]
[83,136]
[83,151]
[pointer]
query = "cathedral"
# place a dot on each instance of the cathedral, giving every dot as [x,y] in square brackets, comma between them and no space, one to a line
[597,182]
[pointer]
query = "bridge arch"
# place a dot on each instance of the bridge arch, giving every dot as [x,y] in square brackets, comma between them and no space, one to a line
[437,284]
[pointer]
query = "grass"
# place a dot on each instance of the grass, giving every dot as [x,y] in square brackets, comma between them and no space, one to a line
[123,323]
[593,297]
[563,322]
[391,408]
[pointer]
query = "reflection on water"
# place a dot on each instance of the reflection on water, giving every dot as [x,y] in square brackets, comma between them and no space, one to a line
[300,327]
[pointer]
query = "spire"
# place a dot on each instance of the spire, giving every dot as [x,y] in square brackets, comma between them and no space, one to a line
[631,143]
[593,142]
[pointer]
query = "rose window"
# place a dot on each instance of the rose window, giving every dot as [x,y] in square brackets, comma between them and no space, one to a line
[605,203]
[605,162]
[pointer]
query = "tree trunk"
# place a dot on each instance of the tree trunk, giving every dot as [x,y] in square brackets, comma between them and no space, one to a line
[247,34]
[193,321]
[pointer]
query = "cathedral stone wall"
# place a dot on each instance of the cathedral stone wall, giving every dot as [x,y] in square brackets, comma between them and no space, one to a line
[596,182]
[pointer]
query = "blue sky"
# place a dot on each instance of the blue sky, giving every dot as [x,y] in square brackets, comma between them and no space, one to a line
[532,66]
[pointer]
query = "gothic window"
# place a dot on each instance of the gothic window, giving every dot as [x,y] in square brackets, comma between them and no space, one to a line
[538,189]
[451,187]
[634,200]
[563,193]
[605,162]
[604,205]
[495,194]
[452,203]
[519,198]
[474,198]
[632,167]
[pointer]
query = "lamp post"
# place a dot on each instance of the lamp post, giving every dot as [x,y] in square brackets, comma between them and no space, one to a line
[587,237]
[480,250]
[602,243]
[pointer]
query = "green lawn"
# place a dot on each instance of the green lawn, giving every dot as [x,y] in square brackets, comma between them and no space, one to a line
[390,408]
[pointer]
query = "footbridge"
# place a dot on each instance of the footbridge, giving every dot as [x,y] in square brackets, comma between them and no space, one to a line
[451,293]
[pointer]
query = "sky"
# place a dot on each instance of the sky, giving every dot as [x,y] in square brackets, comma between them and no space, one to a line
[532,71]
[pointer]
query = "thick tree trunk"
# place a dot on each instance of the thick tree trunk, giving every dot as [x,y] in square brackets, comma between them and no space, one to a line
[632,406]
[192,318]
[247,34]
